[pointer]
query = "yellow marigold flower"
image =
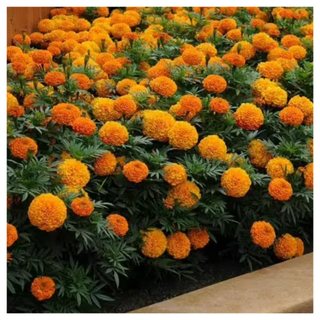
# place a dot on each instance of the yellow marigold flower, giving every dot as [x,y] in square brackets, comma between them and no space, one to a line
[103,110]
[65,113]
[219,105]
[226,25]
[112,67]
[207,49]
[291,116]
[244,48]
[118,30]
[103,87]
[154,243]
[234,35]
[135,171]
[262,234]
[308,29]
[83,82]
[262,85]
[285,247]
[113,133]
[84,126]
[263,42]
[234,59]
[215,83]
[138,90]
[249,117]
[54,78]
[73,173]
[280,189]
[183,135]
[178,245]
[41,56]
[186,194]
[125,105]
[43,288]
[82,207]
[302,103]
[15,111]
[156,124]
[198,238]
[279,167]
[124,86]
[118,224]
[298,52]
[258,154]
[271,70]
[308,176]
[12,235]
[212,147]
[310,146]
[106,165]
[290,40]
[300,247]
[82,25]
[236,182]
[12,100]
[11,51]
[276,53]
[47,212]
[21,147]
[275,96]
[164,86]
[193,57]
[175,174]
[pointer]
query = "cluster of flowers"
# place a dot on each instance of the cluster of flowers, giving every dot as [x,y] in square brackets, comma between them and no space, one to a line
[72,48]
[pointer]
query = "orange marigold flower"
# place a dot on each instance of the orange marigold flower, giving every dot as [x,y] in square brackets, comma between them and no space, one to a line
[291,116]
[276,53]
[12,235]
[43,288]
[189,106]
[65,113]
[219,105]
[112,67]
[279,167]
[236,182]
[106,165]
[79,10]
[183,135]
[288,64]
[21,39]
[215,83]
[198,238]
[212,147]
[186,194]
[124,86]
[290,40]
[308,176]
[234,59]
[36,37]
[41,56]
[118,223]
[226,25]
[125,105]
[15,111]
[275,96]
[263,234]
[73,173]
[300,247]
[271,70]
[118,30]
[154,243]
[103,110]
[82,81]
[164,86]
[302,103]
[228,11]
[11,51]
[102,11]
[175,174]
[113,133]
[55,51]
[285,247]
[84,126]
[244,48]
[271,29]
[47,212]
[54,78]
[280,189]
[135,171]
[82,25]
[193,56]
[156,124]
[22,147]
[298,52]
[234,35]
[263,42]
[206,48]
[82,207]
[178,245]
[104,57]
[258,154]
[103,87]
[257,23]
[249,117]
[253,10]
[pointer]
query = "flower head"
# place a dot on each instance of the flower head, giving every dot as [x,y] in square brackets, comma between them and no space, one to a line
[82,81]
[302,103]
[236,182]
[308,176]
[135,171]
[183,135]
[189,106]
[271,70]
[106,165]
[175,174]
[275,96]
[65,113]
[43,288]
[248,116]
[85,126]
[198,238]
[54,78]
[154,243]
[285,247]
[244,48]
[263,234]
[258,154]
[164,86]
[219,105]
[82,207]
[113,133]
[41,56]
[291,116]
[118,224]
[212,147]
[12,235]
[263,42]
[124,86]
[300,247]
[125,105]
[279,167]
[22,147]
[280,189]
[234,59]
[298,52]
[178,245]
[290,40]
[214,83]
[193,57]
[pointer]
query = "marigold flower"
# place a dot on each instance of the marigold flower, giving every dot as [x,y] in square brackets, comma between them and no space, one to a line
[280,189]
[263,42]
[234,59]
[236,182]
[54,78]
[183,135]
[302,103]
[271,29]
[65,113]
[106,165]
[215,83]
[15,111]
[112,67]
[308,120]
[285,247]
[258,154]
[124,86]
[102,11]
[212,147]
[290,40]
[291,116]
[178,245]
[82,25]
[164,86]
[198,238]
[279,167]
[11,51]
[82,207]
[118,224]
[249,117]
[175,174]
[298,52]
[263,234]
[84,126]
[234,35]
[103,87]
[82,81]
[47,212]
[41,56]
[219,105]
[189,106]
[193,57]
[113,133]
[276,53]
[300,247]
[20,39]
[257,23]
[22,147]
[154,243]
[43,288]
[275,96]
[125,105]
[118,30]
[228,11]
[186,194]
[207,49]
[308,176]
[226,25]
[73,173]
[288,64]
[271,70]
[135,171]
[36,37]
[12,235]
[244,48]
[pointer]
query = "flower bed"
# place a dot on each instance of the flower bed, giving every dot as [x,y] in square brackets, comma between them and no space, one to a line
[137,136]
